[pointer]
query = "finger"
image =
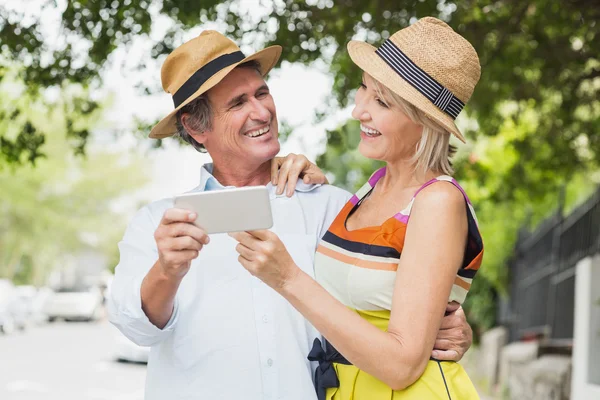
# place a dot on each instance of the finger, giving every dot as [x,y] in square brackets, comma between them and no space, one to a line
[275,163]
[451,322]
[247,264]
[293,176]
[245,252]
[314,179]
[180,257]
[284,172]
[443,344]
[445,355]
[300,166]
[262,234]
[246,239]
[184,243]
[173,215]
[180,229]
[449,334]
[452,307]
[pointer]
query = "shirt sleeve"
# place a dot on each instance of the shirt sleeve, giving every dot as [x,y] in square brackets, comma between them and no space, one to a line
[138,253]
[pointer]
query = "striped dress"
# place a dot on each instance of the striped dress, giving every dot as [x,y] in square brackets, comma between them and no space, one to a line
[359,269]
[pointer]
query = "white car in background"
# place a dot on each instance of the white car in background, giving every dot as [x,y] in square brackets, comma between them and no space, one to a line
[7,298]
[22,306]
[74,303]
[38,305]
[126,350]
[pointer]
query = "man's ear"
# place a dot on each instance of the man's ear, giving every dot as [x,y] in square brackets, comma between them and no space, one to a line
[198,135]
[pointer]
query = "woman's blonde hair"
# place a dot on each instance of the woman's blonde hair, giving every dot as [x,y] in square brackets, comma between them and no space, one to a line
[434,150]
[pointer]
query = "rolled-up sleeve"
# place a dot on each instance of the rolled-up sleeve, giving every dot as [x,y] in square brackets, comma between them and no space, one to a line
[138,253]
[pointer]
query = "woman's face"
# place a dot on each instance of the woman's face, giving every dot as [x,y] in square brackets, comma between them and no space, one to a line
[387,133]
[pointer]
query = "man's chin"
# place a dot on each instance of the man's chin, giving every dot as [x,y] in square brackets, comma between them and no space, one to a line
[265,152]
[272,151]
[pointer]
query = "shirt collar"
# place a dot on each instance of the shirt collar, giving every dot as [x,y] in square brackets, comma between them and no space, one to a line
[208,182]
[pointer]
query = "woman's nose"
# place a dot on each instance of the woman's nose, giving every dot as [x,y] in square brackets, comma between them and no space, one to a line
[360,113]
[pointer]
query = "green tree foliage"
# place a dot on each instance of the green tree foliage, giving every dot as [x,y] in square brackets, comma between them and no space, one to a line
[62,204]
[538,53]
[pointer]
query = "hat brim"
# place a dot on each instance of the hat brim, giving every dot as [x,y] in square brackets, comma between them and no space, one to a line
[267,59]
[363,55]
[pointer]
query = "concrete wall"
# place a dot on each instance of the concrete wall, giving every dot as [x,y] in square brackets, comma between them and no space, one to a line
[586,350]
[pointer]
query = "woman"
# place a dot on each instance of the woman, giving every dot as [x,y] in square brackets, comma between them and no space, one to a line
[408,237]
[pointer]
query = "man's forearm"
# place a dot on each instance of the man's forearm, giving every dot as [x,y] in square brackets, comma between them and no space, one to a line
[158,295]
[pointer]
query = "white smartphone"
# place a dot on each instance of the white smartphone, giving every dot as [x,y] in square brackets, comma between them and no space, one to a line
[229,210]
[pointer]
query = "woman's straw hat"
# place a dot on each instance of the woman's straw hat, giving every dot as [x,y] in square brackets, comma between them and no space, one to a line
[198,65]
[427,64]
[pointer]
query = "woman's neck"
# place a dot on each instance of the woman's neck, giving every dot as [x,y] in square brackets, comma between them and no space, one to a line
[401,175]
[239,177]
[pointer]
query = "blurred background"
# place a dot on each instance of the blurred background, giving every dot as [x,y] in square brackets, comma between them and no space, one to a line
[80,89]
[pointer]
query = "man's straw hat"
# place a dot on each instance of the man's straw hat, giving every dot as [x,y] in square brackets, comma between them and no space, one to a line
[198,65]
[427,64]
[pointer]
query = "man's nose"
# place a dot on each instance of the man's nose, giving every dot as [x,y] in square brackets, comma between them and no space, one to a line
[259,111]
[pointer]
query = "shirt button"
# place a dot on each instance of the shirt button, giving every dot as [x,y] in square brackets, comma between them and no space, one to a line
[270,362]
[265,319]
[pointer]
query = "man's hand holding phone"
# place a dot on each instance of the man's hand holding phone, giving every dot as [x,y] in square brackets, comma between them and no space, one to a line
[179,241]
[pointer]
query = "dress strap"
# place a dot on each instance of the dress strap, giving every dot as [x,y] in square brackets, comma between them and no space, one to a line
[439,178]
[368,186]
[404,214]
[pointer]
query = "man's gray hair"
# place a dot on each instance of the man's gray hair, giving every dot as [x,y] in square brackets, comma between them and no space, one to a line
[201,113]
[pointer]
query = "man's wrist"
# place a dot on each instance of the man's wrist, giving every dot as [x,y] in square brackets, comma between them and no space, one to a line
[157,280]
[163,275]
[157,293]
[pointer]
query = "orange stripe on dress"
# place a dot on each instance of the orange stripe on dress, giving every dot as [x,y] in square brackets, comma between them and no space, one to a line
[459,282]
[383,266]
[390,234]
[476,262]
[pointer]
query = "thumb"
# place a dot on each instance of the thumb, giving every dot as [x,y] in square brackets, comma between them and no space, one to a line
[445,355]
[313,179]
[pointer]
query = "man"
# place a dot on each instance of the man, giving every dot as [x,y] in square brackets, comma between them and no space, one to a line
[217,332]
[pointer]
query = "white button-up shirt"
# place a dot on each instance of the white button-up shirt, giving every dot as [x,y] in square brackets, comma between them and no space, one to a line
[230,336]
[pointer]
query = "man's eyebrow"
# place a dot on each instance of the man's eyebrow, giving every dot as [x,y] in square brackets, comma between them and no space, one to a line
[263,87]
[242,96]
[236,100]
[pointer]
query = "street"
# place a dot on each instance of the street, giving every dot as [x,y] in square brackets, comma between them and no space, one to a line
[67,361]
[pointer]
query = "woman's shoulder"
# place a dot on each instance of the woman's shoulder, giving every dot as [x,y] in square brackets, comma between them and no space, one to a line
[442,192]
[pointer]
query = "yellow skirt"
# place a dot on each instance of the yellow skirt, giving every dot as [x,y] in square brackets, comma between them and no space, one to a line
[440,381]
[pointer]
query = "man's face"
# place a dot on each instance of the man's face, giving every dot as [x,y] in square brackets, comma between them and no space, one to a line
[245,124]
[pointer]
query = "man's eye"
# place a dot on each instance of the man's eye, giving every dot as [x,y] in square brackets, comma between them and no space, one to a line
[262,95]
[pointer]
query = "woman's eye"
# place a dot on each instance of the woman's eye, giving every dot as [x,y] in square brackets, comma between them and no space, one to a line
[362,86]
[382,104]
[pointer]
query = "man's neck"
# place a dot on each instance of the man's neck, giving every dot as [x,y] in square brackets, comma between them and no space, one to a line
[240,177]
